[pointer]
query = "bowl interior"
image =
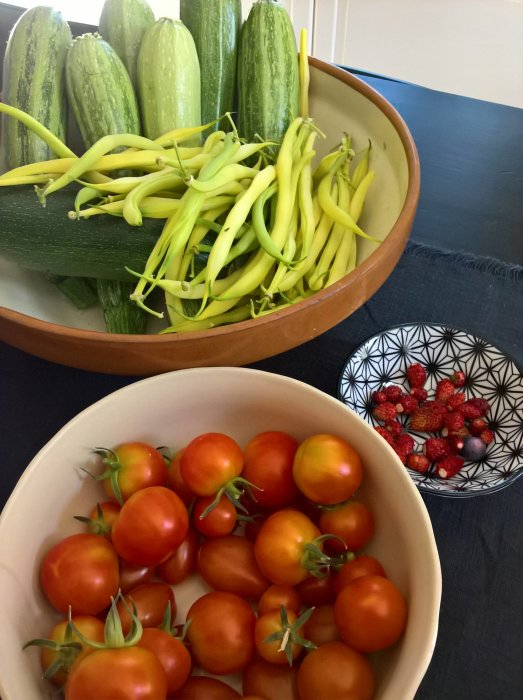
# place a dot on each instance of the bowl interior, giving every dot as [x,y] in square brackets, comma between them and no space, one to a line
[169,410]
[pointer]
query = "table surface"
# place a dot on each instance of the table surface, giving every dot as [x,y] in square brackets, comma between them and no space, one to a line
[471,154]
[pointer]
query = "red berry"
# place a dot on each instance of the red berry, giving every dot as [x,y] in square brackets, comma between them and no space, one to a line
[487,436]
[458,378]
[455,401]
[450,466]
[378,396]
[428,417]
[477,426]
[418,462]
[444,390]
[452,423]
[407,404]
[385,434]
[436,449]
[474,408]
[419,393]
[392,393]
[456,442]
[394,427]
[405,442]
[416,375]
[385,412]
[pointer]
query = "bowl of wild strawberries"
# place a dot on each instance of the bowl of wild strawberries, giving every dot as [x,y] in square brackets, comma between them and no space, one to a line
[447,402]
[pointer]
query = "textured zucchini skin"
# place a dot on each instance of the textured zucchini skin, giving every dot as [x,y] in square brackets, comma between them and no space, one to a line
[45,240]
[169,81]
[34,81]
[268,72]
[122,24]
[215,26]
[99,90]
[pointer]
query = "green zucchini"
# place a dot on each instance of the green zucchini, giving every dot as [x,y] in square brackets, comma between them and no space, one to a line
[122,24]
[268,73]
[169,81]
[34,81]
[99,90]
[215,26]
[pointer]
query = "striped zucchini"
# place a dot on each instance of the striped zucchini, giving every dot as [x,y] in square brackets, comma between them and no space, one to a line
[268,72]
[215,26]
[99,90]
[169,81]
[34,81]
[122,24]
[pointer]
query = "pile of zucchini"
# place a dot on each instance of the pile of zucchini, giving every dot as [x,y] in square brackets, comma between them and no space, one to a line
[183,150]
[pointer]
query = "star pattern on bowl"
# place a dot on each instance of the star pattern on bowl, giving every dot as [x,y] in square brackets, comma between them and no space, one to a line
[384,358]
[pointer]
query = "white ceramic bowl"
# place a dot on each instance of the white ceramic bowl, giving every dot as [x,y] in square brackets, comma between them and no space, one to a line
[169,410]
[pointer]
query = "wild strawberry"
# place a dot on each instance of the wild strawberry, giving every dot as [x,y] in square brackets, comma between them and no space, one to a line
[394,427]
[385,412]
[456,442]
[455,401]
[444,390]
[418,462]
[450,466]
[436,449]
[416,375]
[378,396]
[405,442]
[385,434]
[452,423]
[392,392]
[419,393]
[474,408]
[428,417]
[407,404]
[458,378]
[477,426]
[487,436]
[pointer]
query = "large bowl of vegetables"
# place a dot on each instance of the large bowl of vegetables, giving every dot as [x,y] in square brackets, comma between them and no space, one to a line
[214,277]
[359,510]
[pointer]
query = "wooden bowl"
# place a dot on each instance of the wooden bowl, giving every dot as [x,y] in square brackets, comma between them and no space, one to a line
[40,324]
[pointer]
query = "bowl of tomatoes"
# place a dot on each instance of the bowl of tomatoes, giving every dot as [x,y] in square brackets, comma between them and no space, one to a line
[216,530]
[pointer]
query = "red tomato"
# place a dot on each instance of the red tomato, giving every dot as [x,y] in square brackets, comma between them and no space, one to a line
[151,601]
[176,482]
[171,653]
[132,576]
[364,565]
[353,521]
[80,571]
[280,546]
[101,518]
[321,628]
[219,521]
[276,652]
[228,564]
[62,658]
[151,524]
[334,670]
[221,632]
[130,467]
[268,465]
[126,673]
[182,561]
[317,591]
[209,461]
[327,469]
[270,681]
[370,613]
[205,688]
[276,596]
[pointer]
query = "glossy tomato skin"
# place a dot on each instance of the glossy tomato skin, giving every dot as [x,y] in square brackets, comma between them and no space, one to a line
[228,564]
[221,632]
[327,469]
[133,576]
[270,681]
[219,521]
[352,521]
[279,546]
[172,654]
[102,517]
[126,673]
[206,688]
[176,482]
[276,596]
[151,601]
[137,465]
[370,613]
[151,524]
[80,571]
[182,562]
[362,565]
[321,627]
[334,670]
[317,591]
[209,461]
[269,457]
[268,624]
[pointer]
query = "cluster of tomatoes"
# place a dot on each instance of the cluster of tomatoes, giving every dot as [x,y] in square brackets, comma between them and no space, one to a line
[292,604]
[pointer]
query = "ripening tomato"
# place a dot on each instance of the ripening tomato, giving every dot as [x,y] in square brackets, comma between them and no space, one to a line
[270,681]
[209,461]
[80,571]
[334,670]
[171,653]
[268,464]
[276,596]
[321,628]
[370,613]
[151,601]
[176,482]
[219,521]
[133,576]
[206,688]
[280,546]
[130,467]
[101,518]
[151,524]
[327,469]
[363,565]
[221,632]
[182,562]
[126,673]
[228,564]
[317,591]
[352,521]
[278,650]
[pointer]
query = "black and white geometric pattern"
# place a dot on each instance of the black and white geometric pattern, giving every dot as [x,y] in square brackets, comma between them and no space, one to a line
[384,358]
